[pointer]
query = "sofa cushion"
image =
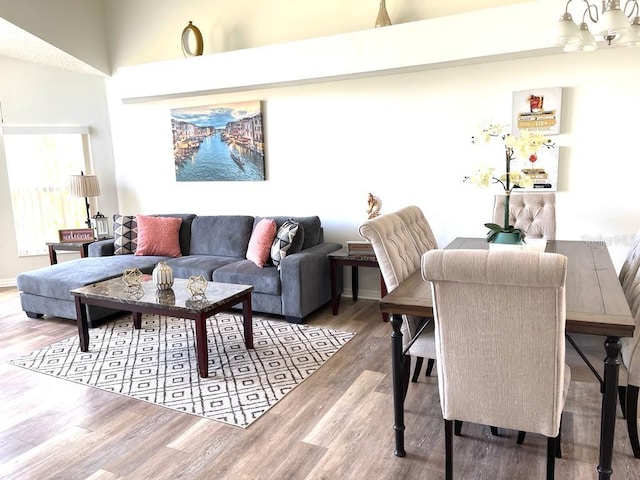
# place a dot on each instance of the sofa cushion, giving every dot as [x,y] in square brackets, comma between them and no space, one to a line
[125,234]
[184,267]
[158,236]
[259,248]
[284,239]
[245,272]
[221,235]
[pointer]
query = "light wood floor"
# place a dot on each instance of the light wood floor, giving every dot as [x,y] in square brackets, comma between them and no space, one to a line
[336,425]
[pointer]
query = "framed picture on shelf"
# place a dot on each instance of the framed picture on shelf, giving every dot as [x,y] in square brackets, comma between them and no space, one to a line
[537,110]
[73,235]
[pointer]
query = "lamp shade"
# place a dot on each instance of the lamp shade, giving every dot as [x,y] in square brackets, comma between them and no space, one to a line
[614,21]
[586,44]
[631,37]
[566,32]
[84,185]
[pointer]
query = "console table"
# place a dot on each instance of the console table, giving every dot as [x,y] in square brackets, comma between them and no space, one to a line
[342,258]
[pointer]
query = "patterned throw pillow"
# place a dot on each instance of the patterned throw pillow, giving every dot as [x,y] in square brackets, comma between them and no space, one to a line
[282,242]
[125,234]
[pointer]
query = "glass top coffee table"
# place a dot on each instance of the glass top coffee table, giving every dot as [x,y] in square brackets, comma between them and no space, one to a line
[176,302]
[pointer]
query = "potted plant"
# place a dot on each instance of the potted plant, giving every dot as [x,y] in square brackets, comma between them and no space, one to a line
[526,146]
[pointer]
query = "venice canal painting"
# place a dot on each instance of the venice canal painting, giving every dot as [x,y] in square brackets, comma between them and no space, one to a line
[218,142]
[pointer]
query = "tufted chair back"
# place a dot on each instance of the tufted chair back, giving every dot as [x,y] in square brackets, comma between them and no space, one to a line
[419,228]
[394,246]
[630,267]
[532,212]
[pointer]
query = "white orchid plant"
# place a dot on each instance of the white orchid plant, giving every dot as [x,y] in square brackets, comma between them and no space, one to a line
[526,145]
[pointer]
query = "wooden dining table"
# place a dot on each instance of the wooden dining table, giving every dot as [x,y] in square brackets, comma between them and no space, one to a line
[595,305]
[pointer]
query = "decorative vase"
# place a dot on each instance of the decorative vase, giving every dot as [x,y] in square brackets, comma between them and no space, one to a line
[383,19]
[162,276]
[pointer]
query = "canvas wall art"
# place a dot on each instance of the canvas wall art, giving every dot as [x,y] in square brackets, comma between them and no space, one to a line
[537,110]
[222,142]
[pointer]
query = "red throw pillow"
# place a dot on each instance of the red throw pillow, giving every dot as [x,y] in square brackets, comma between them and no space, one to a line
[259,250]
[158,236]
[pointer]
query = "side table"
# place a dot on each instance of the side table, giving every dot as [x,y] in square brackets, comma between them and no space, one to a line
[342,258]
[82,247]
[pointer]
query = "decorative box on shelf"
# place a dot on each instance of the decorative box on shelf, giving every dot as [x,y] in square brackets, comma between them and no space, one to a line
[360,247]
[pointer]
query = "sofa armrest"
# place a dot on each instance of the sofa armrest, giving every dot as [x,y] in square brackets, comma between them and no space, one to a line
[101,248]
[305,278]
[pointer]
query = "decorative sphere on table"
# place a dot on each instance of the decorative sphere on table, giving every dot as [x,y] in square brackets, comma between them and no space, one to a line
[162,276]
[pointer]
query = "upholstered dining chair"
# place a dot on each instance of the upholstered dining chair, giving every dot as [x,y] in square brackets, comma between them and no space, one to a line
[399,239]
[500,363]
[534,213]
[629,379]
[424,240]
[630,266]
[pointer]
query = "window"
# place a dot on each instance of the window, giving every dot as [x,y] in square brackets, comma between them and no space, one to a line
[39,163]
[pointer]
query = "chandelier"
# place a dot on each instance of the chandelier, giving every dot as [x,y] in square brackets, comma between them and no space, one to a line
[614,25]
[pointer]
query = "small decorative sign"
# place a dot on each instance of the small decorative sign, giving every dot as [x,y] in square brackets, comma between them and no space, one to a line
[72,235]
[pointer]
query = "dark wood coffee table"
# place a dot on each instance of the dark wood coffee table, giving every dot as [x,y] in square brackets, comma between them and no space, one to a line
[176,302]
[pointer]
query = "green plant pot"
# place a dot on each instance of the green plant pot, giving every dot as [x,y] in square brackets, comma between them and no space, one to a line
[506,238]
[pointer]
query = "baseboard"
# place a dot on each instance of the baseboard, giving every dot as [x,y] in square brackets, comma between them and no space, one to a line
[7,282]
[363,294]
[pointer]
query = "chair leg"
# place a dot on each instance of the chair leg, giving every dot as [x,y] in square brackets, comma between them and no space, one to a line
[521,436]
[457,427]
[632,418]
[416,371]
[622,397]
[551,457]
[406,374]
[448,450]
[559,440]
[430,363]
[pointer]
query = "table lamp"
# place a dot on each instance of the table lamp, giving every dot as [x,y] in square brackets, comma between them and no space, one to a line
[84,186]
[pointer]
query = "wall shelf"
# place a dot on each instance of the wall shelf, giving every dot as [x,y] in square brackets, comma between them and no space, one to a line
[502,33]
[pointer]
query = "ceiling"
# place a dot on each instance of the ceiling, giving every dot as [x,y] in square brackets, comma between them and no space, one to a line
[20,44]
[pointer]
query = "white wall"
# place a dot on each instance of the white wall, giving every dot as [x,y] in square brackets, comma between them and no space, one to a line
[406,138]
[38,95]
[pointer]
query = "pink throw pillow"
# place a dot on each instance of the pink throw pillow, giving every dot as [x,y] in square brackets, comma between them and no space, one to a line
[158,236]
[259,250]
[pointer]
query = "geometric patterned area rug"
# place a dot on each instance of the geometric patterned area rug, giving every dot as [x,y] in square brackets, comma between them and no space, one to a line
[158,363]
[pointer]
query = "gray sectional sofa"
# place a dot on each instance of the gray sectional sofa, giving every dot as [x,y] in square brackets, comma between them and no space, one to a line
[212,246]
